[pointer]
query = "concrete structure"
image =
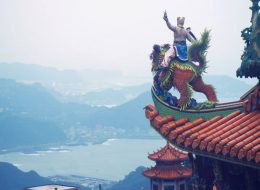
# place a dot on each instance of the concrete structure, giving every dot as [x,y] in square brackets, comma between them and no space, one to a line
[52,187]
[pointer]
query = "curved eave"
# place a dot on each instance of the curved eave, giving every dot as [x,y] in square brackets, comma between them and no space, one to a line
[180,133]
[168,154]
[168,160]
[170,174]
[235,160]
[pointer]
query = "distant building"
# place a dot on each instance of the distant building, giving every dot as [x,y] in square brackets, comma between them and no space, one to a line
[52,187]
[172,170]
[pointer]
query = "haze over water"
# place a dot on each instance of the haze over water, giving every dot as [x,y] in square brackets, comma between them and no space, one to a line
[111,160]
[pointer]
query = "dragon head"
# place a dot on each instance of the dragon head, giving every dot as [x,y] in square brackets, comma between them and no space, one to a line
[158,54]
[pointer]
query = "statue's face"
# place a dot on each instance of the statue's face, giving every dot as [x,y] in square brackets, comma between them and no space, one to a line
[180,21]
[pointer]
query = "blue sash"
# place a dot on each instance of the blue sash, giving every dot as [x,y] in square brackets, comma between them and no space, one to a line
[181,52]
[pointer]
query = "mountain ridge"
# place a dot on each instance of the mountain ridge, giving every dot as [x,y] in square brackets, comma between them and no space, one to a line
[14,179]
[33,110]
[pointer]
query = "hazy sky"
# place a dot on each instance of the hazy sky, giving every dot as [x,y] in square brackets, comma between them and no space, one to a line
[116,34]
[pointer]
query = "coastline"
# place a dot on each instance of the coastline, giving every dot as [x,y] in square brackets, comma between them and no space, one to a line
[91,160]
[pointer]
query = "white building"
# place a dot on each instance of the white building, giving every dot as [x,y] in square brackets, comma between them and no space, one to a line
[52,187]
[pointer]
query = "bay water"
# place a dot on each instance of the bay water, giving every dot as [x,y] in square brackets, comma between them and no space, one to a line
[111,160]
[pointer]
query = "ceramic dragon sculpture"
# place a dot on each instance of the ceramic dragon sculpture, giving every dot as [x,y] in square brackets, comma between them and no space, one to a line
[185,76]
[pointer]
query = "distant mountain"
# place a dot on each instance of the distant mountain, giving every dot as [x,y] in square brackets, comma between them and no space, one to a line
[104,87]
[32,72]
[127,116]
[35,100]
[134,180]
[228,87]
[110,97]
[31,115]
[24,112]
[17,97]
[11,178]
[17,131]
[67,82]
[130,115]
[124,121]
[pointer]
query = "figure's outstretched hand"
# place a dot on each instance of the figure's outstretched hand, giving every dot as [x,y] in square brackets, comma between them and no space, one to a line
[165,17]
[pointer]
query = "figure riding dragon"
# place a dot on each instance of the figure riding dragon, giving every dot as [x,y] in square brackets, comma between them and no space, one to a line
[181,67]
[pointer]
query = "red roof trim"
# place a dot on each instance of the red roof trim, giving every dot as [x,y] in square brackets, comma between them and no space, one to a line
[168,172]
[168,153]
[236,135]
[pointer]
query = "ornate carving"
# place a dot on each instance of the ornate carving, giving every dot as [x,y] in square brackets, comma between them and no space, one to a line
[250,66]
[184,76]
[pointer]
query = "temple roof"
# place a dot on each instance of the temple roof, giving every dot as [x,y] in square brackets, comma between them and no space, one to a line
[168,172]
[168,153]
[234,137]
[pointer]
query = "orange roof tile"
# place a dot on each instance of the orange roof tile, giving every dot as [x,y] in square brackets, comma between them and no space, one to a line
[254,138]
[235,136]
[229,130]
[168,153]
[242,136]
[250,128]
[211,135]
[168,172]
[158,121]
[151,113]
[166,128]
[206,131]
[243,151]
[252,153]
[173,134]
[195,129]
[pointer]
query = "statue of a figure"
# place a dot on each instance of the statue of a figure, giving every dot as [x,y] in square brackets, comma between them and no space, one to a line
[181,34]
[181,67]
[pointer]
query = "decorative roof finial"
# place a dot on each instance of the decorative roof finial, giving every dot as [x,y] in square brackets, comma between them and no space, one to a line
[250,66]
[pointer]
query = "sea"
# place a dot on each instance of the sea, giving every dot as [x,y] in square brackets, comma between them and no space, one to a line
[111,160]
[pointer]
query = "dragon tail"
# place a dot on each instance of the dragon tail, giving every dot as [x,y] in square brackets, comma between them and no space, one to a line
[198,49]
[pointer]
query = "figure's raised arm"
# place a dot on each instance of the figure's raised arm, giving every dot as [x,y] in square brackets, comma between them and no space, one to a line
[165,17]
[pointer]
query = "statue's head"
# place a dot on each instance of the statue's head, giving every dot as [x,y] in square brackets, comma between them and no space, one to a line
[158,54]
[180,21]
